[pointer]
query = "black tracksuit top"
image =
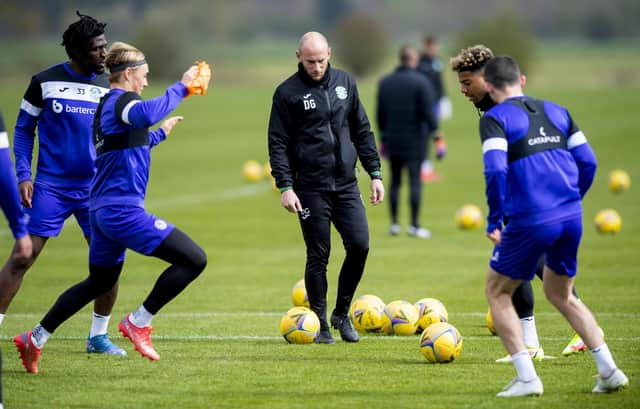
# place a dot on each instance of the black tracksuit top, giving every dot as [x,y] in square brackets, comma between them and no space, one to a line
[317,131]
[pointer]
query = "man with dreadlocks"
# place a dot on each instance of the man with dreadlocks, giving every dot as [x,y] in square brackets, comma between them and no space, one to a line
[60,102]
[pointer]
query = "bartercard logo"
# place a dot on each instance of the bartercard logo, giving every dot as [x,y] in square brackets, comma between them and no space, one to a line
[59,107]
[56,106]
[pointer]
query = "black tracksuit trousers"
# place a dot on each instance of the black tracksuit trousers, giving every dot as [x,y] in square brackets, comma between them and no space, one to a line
[346,211]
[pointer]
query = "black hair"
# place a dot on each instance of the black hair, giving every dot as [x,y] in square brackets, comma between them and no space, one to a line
[77,37]
[502,71]
[406,53]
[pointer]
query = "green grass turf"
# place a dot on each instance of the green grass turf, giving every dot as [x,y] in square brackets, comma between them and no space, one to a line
[219,340]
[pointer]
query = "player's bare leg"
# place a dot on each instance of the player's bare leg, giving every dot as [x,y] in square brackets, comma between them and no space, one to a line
[499,289]
[557,288]
[14,271]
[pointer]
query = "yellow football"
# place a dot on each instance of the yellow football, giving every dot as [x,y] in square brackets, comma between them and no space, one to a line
[469,217]
[252,171]
[441,343]
[299,294]
[619,181]
[608,221]
[299,325]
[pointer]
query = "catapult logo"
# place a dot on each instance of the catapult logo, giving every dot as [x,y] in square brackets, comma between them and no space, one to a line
[543,138]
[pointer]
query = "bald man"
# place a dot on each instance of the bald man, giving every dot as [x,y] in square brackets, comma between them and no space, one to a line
[405,120]
[317,130]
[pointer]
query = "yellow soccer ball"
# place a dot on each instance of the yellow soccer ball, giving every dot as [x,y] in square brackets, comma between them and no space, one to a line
[608,221]
[441,343]
[299,325]
[469,217]
[430,311]
[299,296]
[252,171]
[367,314]
[619,181]
[374,300]
[402,318]
[489,321]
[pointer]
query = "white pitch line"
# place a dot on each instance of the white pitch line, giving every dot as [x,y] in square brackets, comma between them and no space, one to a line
[248,314]
[212,197]
[185,200]
[279,338]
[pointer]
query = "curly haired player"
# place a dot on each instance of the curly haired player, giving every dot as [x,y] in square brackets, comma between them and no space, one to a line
[469,65]
[538,166]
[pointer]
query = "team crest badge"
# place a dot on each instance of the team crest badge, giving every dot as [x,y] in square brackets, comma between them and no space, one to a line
[95,93]
[160,224]
[341,92]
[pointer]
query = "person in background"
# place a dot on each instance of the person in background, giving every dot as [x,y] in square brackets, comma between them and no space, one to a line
[405,120]
[431,66]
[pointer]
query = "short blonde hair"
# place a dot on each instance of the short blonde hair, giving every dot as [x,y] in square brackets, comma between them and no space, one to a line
[471,58]
[120,56]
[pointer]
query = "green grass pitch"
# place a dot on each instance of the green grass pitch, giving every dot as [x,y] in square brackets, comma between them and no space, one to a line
[219,340]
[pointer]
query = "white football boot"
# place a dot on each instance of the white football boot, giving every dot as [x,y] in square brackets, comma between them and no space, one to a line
[517,388]
[617,380]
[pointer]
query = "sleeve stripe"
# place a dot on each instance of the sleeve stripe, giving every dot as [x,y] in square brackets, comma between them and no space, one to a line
[125,111]
[30,109]
[4,140]
[576,140]
[494,144]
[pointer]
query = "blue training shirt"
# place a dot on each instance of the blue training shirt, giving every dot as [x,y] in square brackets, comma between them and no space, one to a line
[537,163]
[124,144]
[9,196]
[61,104]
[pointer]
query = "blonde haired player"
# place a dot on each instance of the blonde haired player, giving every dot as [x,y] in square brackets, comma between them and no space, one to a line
[119,220]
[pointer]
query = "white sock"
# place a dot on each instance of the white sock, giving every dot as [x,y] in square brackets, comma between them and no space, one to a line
[99,324]
[426,166]
[1,319]
[141,317]
[604,360]
[524,366]
[39,336]
[529,332]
